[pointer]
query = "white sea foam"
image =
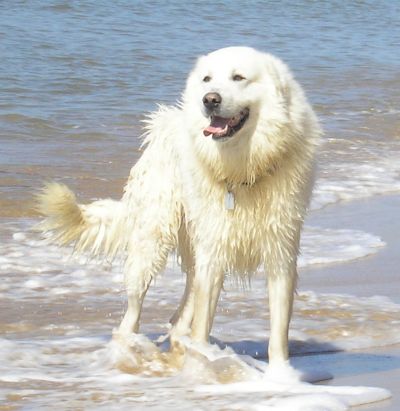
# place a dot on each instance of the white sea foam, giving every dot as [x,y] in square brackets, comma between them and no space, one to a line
[327,246]
[288,392]
[81,372]
[43,269]
[351,169]
[299,396]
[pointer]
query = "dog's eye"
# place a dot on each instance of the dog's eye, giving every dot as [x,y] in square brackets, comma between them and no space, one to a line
[206,79]
[238,77]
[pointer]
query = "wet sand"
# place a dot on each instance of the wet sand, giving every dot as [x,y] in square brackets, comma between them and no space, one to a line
[374,275]
[380,368]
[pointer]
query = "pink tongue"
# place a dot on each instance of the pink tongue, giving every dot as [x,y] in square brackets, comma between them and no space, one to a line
[218,125]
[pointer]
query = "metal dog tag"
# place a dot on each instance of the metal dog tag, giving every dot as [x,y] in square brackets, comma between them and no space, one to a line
[229,200]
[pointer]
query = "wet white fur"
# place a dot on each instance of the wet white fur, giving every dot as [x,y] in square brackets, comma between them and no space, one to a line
[174,198]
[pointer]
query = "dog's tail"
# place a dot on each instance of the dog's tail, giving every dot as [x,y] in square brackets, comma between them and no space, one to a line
[94,228]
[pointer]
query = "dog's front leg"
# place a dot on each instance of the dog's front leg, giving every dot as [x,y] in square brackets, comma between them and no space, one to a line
[206,288]
[281,268]
[281,288]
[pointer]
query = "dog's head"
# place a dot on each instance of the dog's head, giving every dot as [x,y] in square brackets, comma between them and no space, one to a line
[246,115]
[229,89]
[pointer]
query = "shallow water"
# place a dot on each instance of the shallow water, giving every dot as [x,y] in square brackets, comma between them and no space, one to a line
[76,79]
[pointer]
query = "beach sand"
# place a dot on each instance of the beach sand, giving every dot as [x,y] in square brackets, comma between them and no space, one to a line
[379,367]
[374,275]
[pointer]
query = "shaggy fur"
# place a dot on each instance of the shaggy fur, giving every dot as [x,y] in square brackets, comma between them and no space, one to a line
[177,193]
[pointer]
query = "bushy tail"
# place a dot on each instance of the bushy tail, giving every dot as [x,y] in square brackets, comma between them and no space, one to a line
[94,228]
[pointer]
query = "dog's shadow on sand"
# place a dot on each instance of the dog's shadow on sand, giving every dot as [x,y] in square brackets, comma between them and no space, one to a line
[309,356]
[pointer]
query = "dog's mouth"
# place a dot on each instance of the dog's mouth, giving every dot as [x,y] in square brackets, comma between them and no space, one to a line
[221,127]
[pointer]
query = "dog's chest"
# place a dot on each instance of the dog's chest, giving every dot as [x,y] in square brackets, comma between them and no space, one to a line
[230,220]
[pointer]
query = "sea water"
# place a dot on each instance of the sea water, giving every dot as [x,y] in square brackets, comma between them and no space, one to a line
[75,81]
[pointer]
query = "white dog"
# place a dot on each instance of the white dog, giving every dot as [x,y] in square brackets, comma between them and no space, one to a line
[224,181]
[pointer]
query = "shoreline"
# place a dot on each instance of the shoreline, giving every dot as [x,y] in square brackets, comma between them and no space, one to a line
[377,274]
[362,277]
[383,371]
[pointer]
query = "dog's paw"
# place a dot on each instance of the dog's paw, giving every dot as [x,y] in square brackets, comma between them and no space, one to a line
[282,373]
[138,354]
[130,352]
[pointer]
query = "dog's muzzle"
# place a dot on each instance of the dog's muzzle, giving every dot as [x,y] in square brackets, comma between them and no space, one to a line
[221,127]
[212,101]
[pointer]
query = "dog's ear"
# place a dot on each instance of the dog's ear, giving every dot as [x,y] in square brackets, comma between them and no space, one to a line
[200,61]
[192,81]
[280,74]
[199,70]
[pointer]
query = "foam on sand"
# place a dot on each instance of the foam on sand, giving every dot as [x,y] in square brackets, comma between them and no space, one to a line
[83,372]
[328,246]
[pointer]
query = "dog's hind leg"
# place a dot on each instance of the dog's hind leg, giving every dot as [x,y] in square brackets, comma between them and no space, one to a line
[182,319]
[186,258]
[137,284]
[143,264]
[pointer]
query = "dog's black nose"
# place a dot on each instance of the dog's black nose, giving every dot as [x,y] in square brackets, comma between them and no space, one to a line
[212,101]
